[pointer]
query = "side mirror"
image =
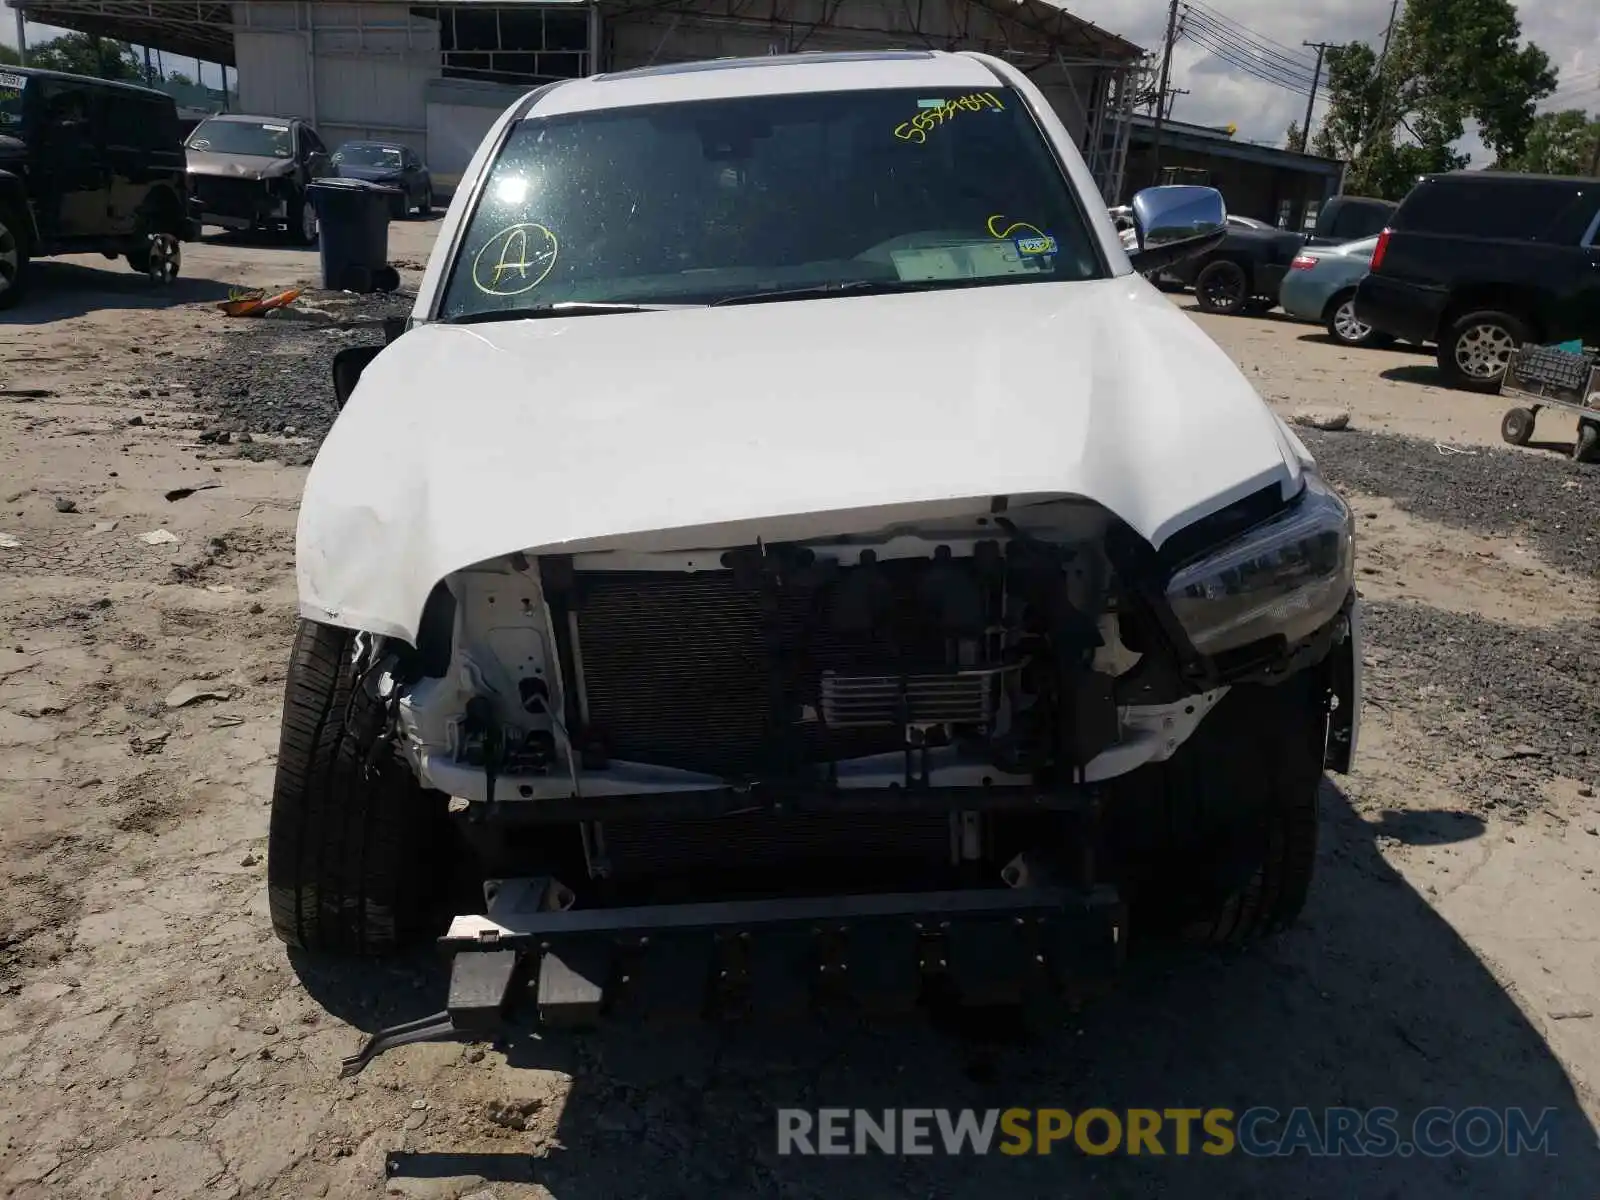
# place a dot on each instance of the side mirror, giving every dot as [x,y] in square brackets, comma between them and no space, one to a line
[1175,223]
[347,367]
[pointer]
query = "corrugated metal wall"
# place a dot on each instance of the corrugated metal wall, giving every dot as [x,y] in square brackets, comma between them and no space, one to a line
[356,70]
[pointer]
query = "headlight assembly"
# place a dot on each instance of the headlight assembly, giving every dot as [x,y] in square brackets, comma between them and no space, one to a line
[1288,576]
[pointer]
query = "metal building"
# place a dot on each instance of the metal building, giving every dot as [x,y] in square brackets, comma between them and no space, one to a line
[436,76]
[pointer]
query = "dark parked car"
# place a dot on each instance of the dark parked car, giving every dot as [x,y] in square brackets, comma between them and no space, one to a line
[1480,262]
[1346,219]
[87,165]
[251,173]
[389,163]
[1244,271]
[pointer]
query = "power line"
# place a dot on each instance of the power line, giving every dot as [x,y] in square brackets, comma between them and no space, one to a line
[1260,37]
[1263,56]
[1234,58]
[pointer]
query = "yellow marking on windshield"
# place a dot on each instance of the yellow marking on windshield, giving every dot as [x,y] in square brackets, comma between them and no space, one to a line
[938,112]
[1012,228]
[527,249]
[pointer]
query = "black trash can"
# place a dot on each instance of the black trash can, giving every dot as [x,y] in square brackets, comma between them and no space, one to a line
[353,233]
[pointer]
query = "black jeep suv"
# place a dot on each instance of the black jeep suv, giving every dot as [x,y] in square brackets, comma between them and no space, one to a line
[1479,262]
[87,165]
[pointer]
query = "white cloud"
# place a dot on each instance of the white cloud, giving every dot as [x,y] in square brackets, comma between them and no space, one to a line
[1568,30]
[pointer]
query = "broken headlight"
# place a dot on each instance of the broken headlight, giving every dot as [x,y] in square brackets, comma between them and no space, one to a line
[1289,575]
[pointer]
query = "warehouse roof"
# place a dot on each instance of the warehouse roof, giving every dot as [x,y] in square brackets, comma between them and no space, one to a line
[204,28]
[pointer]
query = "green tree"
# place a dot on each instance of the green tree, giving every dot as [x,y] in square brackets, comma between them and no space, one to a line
[9,56]
[1560,143]
[83,54]
[1449,60]
[179,78]
[1294,138]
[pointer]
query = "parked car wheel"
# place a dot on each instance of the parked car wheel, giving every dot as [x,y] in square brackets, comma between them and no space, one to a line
[425,209]
[1344,328]
[351,830]
[160,258]
[1474,354]
[1223,287]
[1516,427]
[1587,448]
[13,259]
[302,220]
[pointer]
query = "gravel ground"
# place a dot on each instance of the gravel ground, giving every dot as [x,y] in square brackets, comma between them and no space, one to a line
[1553,502]
[272,375]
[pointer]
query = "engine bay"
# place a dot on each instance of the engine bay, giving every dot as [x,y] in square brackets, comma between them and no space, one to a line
[982,655]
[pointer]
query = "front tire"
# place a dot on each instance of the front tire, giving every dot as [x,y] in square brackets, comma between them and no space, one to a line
[351,848]
[13,258]
[1587,448]
[1218,845]
[303,229]
[1223,288]
[1474,355]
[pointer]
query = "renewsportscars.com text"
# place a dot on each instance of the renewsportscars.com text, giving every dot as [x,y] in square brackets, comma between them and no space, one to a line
[1259,1132]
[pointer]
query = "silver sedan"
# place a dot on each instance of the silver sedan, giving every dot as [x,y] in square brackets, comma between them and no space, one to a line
[1320,286]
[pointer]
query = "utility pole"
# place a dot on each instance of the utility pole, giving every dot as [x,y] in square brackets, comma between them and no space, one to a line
[1316,78]
[1161,91]
[1394,11]
[1172,98]
[22,37]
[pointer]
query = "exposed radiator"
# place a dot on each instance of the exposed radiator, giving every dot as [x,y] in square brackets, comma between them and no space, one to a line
[701,672]
[862,700]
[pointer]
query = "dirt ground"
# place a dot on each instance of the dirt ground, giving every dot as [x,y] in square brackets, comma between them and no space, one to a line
[156,1040]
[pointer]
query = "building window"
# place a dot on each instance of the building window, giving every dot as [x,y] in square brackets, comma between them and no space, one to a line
[512,45]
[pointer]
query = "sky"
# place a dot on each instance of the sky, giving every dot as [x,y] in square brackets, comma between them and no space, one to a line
[210,73]
[1220,92]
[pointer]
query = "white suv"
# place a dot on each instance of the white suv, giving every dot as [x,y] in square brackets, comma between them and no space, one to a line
[791,532]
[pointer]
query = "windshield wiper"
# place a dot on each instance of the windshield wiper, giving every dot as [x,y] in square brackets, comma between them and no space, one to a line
[563,308]
[854,287]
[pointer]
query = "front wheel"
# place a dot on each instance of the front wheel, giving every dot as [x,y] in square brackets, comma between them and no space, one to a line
[425,209]
[1218,845]
[13,258]
[1516,427]
[303,230]
[354,841]
[1587,448]
[1475,353]
[1223,287]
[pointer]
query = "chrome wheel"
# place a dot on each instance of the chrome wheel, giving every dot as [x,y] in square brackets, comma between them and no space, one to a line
[10,258]
[1483,351]
[1345,326]
[308,222]
[163,258]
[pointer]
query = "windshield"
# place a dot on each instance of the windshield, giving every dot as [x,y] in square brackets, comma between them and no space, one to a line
[698,202]
[364,154]
[11,87]
[264,139]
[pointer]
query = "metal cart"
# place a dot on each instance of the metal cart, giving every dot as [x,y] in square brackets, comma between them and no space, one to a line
[1553,377]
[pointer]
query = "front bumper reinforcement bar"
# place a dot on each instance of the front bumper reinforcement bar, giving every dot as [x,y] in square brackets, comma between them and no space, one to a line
[990,946]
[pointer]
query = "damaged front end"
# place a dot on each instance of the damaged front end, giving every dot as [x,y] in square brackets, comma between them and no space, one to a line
[889,749]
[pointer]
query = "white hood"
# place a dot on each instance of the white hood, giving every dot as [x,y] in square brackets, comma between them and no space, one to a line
[464,443]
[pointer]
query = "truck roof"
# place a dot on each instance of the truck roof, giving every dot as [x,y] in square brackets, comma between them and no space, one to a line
[772,75]
[88,80]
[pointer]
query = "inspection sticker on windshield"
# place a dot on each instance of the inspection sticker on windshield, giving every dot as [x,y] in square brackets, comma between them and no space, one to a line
[276,128]
[1034,246]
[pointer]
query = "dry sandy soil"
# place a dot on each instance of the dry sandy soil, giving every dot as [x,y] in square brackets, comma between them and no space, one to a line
[156,1040]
